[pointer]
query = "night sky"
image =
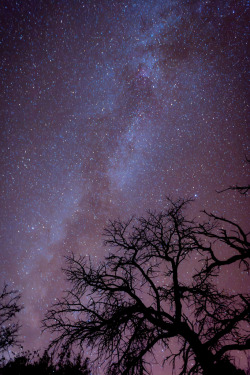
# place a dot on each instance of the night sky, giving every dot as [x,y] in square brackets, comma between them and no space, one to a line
[107,107]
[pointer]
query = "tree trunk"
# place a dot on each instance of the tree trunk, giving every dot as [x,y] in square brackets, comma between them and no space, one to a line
[204,355]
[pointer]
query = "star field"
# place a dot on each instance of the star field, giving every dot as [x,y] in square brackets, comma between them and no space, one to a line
[106,108]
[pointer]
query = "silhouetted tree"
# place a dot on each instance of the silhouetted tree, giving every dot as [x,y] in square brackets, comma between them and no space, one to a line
[157,286]
[9,307]
[28,363]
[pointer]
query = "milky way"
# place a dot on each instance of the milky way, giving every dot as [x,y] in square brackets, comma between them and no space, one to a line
[106,108]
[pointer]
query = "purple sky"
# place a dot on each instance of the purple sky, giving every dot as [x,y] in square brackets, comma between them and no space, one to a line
[106,108]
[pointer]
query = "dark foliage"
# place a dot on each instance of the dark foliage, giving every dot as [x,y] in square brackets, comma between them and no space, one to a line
[9,328]
[30,363]
[141,295]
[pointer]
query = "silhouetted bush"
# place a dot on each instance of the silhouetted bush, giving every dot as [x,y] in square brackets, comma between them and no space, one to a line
[28,363]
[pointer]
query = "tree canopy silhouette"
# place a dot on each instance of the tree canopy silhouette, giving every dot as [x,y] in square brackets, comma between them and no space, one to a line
[28,363]
[158,286]
[9,328]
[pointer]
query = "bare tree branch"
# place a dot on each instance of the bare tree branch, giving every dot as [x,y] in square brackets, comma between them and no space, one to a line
[138,297]
[243,190]
[9,329]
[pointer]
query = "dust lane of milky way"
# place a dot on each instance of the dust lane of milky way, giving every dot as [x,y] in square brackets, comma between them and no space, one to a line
[106,107]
